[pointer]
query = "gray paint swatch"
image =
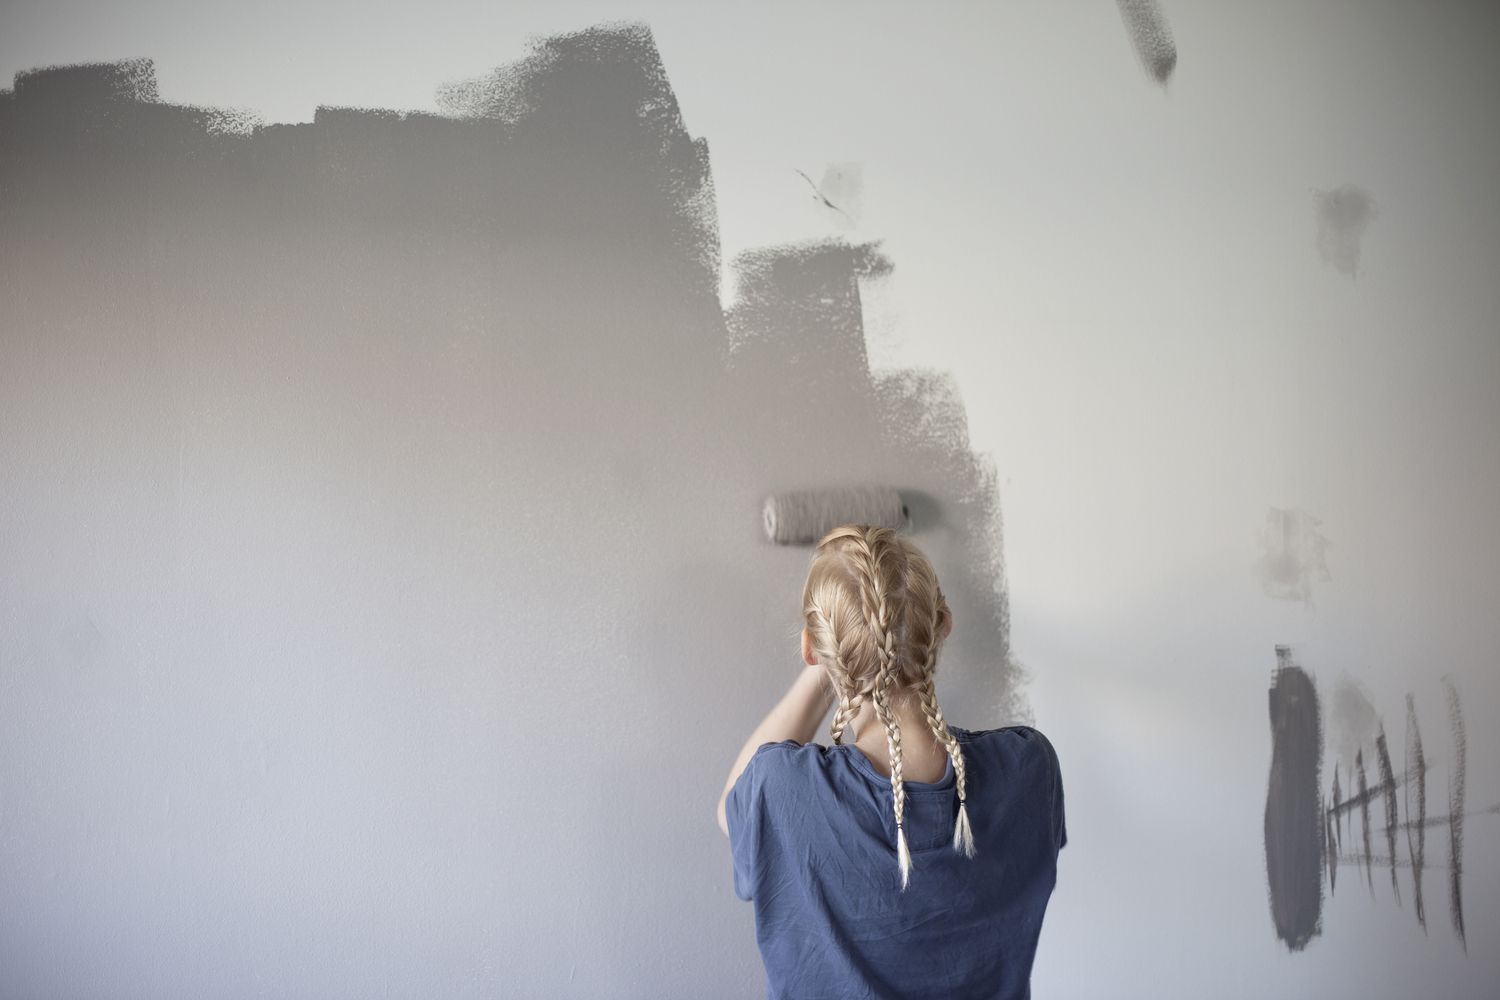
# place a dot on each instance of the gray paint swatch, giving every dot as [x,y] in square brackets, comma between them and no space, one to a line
[1294,822]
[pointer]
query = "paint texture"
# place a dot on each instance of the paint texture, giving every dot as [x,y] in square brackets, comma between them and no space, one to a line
[1343,215]
[1294,821]
[356,471]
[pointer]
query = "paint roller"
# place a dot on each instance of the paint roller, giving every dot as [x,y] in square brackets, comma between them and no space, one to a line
[802,517]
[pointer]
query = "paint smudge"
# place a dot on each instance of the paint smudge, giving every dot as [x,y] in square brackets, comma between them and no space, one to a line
[1294,818]
[1151,37]
[1344,213]
[1293,554]
[1456,812]
[1416,792]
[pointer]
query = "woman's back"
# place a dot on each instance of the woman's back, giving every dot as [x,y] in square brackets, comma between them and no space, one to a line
[812,832]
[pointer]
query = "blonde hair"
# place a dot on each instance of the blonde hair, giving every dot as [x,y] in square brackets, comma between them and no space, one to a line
[875,617]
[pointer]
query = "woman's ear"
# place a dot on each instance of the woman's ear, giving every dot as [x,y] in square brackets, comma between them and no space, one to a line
[807,650]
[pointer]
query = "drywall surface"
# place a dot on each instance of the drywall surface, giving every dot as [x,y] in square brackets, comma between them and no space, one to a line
[384,567]
[386,403]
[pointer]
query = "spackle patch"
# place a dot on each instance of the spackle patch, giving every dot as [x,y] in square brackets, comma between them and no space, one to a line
[1292,554]
[1343,214]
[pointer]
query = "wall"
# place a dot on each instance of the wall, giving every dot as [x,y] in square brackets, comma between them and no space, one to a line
[382,596]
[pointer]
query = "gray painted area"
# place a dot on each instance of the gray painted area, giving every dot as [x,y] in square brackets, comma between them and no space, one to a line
[1294,805]
[384,580]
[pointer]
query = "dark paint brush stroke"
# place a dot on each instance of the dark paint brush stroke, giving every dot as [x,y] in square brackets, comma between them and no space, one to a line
[1388,786]
[1408,862]
[1448,820]
[1353,802]
[1381,859]
[1416,792]
[1294,829]
[1332,849]
[1456,812]
[1364,812]
[1335,837]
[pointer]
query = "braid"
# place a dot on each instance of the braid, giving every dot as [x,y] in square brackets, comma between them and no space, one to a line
[848,708]
[898,787]
[876,660]
[877,613]
[849,703]
[963,834]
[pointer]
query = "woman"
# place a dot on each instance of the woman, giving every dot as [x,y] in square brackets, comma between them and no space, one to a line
[916,861]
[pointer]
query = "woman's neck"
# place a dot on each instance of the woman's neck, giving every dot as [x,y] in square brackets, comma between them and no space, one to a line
[921,753]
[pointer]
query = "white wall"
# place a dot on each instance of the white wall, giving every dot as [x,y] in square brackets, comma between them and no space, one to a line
[1125,281]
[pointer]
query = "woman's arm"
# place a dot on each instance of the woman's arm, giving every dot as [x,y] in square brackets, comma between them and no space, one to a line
[796,717]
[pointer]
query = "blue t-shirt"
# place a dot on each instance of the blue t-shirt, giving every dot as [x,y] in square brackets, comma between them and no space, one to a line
[813,835]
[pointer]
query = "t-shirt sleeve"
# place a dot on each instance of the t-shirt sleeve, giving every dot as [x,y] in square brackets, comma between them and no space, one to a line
[748,815]
[1059,817]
